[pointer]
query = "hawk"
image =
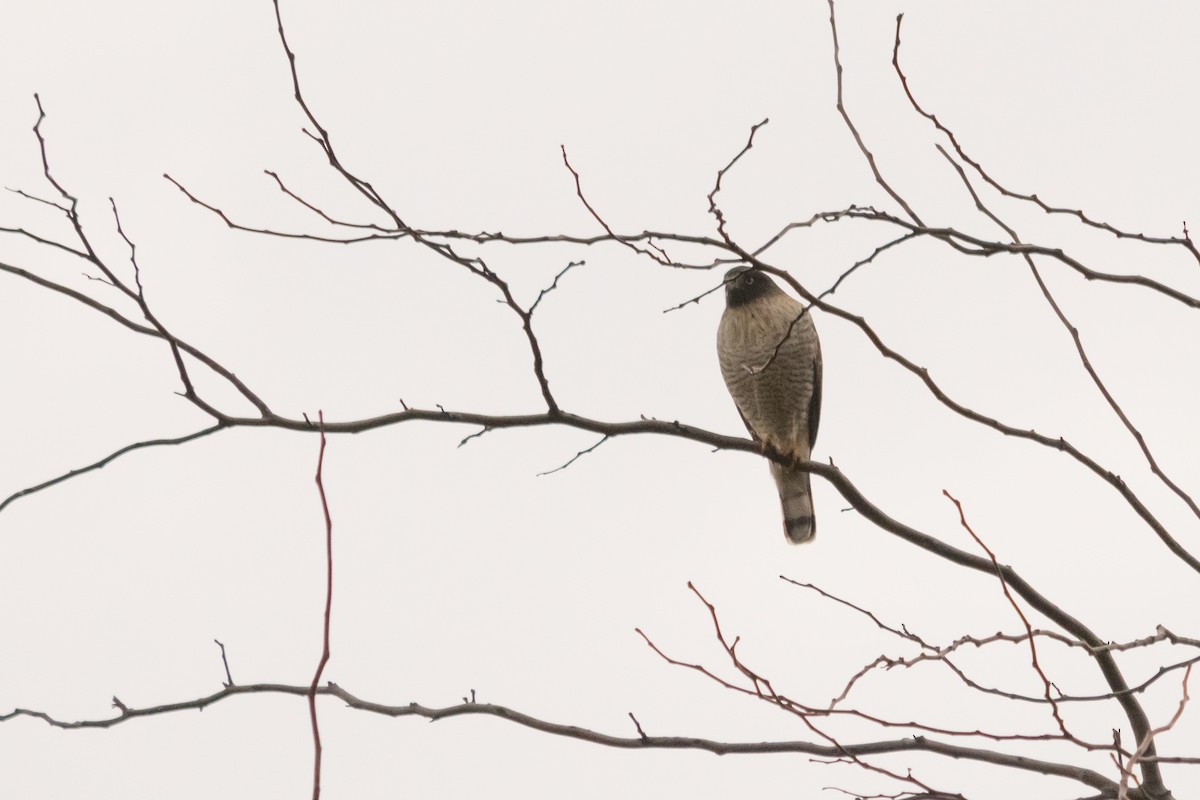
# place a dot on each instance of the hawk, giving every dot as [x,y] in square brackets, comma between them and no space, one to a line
[771,361]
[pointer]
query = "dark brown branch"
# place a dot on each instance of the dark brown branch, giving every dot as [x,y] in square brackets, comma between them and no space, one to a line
[1145,747]
[113,314]
[575,457]
[1113,403]
[109,459]
[1184,241]
[638,725]
[42,200]
[480,237]
[1059,443]
[1078,342]
[908,744]
[554,416]
[1170,541]
[583,198]
[1067,698]
[311,207]
[841,107]
[1112,674]
[1030,638]
[139,296]
[940,654]
[554,284]
[322,136]
[312,237]
[45,241]
[1104,658]
[975,246]
[657,253]
[713,208]
[475,265]
[312,689]
[225,663]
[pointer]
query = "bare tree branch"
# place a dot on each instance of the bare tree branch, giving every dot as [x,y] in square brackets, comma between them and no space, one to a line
[1030,638]
[1146,746]
[1184,241]
[225,663]
[907,744]
[724,251]
[109,459]
[312,689]
[713,208]
[841,107]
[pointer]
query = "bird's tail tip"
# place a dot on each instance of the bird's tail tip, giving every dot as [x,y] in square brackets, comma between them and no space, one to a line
[800,529]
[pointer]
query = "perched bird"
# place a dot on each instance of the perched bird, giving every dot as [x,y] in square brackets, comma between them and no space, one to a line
[771,360]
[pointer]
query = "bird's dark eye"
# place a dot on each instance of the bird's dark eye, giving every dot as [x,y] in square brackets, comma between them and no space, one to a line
[747,279]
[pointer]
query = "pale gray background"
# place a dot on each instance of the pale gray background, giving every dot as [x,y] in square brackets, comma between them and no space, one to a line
[459,568]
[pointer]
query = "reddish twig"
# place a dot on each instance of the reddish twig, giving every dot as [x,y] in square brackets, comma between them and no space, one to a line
[962,518]
[713,208]
[659,256]
[312,691]
[761,688]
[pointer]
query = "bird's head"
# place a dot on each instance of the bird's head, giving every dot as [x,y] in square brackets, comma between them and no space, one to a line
[745,285]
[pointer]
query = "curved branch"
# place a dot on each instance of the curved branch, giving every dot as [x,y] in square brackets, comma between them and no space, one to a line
[841,107]
[109,459]
[1184,241]
[115,315]
[1059,443]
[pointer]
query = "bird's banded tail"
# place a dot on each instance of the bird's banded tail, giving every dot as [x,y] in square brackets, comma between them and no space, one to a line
[795,494]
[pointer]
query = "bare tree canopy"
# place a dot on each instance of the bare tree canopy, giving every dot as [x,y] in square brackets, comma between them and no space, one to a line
[489,240]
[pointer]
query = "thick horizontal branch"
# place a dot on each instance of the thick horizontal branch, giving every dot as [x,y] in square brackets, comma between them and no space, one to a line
[640,742]
[848,490]
[835,476]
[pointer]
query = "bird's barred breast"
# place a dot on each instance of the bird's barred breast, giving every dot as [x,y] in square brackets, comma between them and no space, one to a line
[772,389]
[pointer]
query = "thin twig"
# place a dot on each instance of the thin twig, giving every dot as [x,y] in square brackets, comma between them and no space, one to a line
[109,459]
[1184,241]
[1033,656]
[576,457]
[713,208]
[841,107]
[225,662]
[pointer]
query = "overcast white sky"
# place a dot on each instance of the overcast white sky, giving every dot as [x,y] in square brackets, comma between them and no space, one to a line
[459,568]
